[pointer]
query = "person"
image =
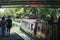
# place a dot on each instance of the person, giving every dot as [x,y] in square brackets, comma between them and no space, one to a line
[58,27]
[0,29]
[9,24]
[3,25]
[50,28]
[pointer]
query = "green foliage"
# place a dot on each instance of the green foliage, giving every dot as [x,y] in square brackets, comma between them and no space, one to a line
[40,13]
[45,13]
[14,25]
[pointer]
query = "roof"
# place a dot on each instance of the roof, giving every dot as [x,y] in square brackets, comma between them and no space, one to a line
[30,20]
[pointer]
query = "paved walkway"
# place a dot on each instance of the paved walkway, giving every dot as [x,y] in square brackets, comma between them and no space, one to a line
[20,33]
[16,34]
[13,36]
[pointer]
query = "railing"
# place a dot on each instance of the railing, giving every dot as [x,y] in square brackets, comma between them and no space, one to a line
[50,31]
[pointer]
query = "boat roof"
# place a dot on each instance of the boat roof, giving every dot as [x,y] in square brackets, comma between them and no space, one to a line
[30,20]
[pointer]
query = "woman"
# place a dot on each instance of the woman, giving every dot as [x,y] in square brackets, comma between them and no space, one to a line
[3,24]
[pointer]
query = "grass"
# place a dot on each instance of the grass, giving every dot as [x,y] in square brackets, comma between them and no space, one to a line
[14,25]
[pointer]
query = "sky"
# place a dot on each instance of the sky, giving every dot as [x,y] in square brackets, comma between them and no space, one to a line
[2,9]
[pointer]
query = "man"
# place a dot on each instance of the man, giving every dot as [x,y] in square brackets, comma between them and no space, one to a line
[9,23]
[58,28]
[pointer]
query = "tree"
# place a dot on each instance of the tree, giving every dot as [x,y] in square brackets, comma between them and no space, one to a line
[40,13]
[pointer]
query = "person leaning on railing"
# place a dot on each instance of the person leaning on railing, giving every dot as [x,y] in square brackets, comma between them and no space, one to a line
[55,31]
[58,28]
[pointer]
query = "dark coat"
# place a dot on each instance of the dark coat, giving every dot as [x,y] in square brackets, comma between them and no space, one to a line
[9,23]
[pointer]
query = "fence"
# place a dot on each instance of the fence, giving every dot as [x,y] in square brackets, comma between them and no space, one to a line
[50,31]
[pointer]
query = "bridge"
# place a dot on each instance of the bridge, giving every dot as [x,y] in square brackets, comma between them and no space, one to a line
[30,3]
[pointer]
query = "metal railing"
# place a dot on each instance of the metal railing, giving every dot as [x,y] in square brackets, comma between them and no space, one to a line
[50,31]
